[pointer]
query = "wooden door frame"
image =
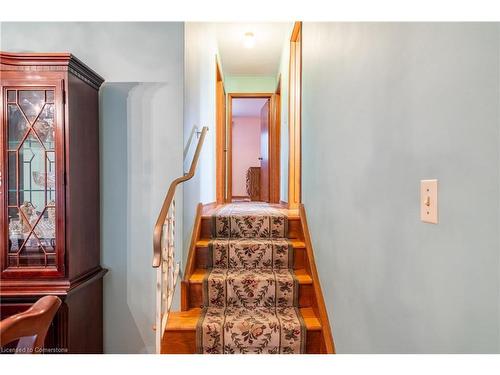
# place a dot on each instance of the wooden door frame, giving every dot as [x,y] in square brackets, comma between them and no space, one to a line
[276,107]
[273,144]
[220,135]
[294,118]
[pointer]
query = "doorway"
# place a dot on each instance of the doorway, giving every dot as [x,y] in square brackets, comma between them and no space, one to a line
[253,148]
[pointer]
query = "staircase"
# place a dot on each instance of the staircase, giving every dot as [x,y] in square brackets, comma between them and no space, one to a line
[231,299]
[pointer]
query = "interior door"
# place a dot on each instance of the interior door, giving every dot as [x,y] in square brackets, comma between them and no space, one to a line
[264,152]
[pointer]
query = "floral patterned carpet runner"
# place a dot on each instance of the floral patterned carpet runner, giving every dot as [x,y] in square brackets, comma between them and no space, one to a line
[251,293]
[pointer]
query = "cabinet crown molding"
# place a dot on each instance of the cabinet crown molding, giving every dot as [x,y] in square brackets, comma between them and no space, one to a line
[50,62]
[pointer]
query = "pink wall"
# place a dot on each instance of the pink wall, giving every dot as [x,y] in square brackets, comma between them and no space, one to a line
[246,150]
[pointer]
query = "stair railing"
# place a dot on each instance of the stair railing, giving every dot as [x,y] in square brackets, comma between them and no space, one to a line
[167,269]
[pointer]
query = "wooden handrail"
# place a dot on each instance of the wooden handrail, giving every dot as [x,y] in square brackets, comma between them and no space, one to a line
[169,198]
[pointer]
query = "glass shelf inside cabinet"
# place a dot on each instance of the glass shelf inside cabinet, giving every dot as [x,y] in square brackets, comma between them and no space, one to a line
[31,183]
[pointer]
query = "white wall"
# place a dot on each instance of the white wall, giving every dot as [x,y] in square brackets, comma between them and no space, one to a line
[199,111]
[384,106]
[141,111]
[246,151]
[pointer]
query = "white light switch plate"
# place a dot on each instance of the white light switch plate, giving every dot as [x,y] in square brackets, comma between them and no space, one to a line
[429,201]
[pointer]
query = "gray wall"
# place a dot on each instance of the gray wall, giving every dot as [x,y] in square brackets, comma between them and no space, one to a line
[141,109]
[384,106]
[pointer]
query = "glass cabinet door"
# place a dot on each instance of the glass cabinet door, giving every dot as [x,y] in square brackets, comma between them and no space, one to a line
[30,130]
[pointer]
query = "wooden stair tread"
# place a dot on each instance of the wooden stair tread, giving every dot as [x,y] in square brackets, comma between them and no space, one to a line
[199,274]
[297,244]
[187,320]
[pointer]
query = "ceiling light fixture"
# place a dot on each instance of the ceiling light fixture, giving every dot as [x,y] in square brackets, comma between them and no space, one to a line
[249,40]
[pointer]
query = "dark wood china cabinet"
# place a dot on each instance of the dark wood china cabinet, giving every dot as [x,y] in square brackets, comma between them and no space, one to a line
[49,194]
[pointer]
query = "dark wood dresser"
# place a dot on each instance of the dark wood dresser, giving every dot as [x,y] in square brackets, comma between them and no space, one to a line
[49,211]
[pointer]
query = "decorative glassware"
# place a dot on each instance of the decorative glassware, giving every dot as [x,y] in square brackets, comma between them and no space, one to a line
[39,178]
[15,234]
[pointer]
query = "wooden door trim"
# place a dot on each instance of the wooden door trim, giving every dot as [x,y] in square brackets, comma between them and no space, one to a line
[274,144]
[294,117]
[228,135]
[220,135]
[275,193]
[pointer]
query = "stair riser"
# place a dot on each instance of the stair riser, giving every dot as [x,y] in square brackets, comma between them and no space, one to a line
[202,258]
[306,295]
[294,228]
[184,342]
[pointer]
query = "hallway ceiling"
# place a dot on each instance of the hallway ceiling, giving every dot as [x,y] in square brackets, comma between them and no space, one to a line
[263,58]
[247,107]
